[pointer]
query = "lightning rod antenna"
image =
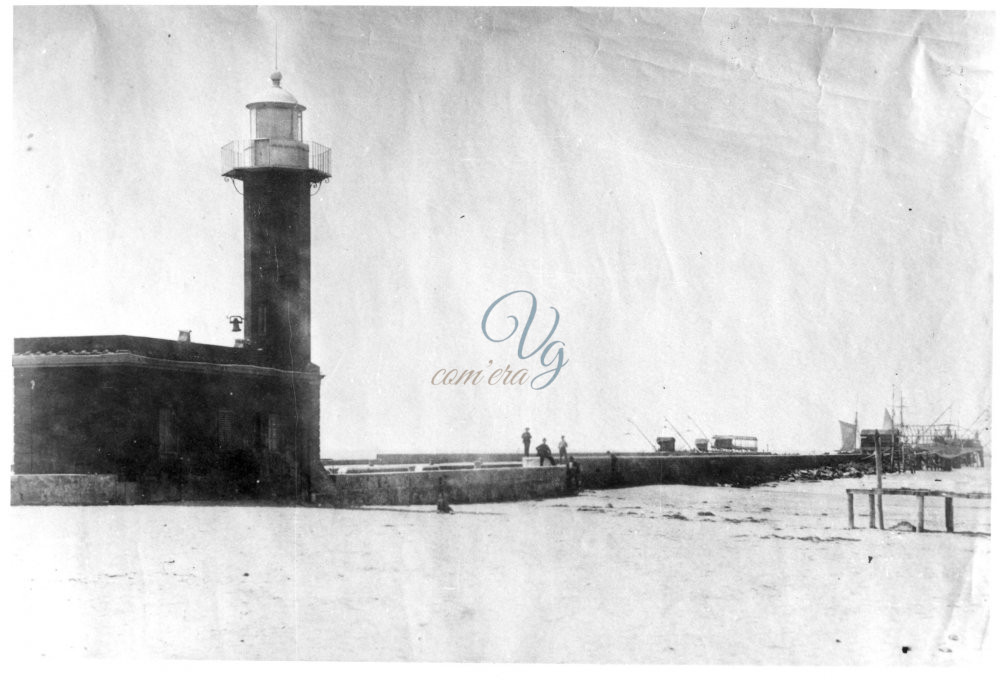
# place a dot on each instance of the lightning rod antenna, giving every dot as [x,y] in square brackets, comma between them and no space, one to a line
[275,45]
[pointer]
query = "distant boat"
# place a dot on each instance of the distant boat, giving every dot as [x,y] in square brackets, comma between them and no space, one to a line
[849,435]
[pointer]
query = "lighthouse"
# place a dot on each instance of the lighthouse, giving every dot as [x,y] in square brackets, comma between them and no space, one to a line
[182,420]
[278,171]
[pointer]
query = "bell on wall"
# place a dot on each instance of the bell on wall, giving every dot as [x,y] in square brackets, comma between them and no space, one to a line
[236,321]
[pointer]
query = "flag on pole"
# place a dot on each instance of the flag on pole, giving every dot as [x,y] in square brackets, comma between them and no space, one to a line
[887,423]
[848,435]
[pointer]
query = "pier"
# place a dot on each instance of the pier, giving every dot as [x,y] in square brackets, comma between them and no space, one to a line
[921,494]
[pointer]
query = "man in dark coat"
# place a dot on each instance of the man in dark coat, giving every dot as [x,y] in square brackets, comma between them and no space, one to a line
[544,452]
[526,438]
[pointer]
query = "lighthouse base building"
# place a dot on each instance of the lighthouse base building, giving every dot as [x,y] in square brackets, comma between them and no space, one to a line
[181,420]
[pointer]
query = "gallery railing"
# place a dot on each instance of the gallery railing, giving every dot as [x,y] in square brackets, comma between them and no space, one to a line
[263,153]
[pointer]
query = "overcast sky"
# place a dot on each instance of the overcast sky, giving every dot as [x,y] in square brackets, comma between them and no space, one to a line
[758,221]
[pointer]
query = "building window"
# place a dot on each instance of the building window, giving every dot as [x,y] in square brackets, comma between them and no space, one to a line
[260,321]
[167,439]
[273,433]
[226,439]
[259,431]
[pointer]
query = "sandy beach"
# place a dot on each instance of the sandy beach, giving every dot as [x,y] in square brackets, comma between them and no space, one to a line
[657,574]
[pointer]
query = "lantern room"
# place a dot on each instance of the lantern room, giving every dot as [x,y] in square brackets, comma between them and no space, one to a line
[275,141]
[276,114]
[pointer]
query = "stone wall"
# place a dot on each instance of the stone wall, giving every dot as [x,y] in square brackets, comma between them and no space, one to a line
[69,490]
[461,486]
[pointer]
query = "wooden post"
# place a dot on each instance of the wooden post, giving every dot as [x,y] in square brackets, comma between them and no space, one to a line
[850,510]
[949,515]
[871,510]
[920,513]
[878,477]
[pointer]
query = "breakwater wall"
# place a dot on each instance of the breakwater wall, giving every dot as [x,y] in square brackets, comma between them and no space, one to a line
[426,459]
[461,486]
[437,458]
[610,470]
[481,485]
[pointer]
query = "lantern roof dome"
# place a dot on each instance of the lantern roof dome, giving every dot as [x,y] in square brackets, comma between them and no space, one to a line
[275,96]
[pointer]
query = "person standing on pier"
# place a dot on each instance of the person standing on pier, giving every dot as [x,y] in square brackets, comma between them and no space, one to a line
[572,475]
[562,448]
[526,438]
[545,453]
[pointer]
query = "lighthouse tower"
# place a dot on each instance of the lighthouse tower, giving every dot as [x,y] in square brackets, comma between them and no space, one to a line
[277,170]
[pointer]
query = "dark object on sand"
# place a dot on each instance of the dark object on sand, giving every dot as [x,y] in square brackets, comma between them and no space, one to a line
[442,498]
